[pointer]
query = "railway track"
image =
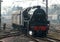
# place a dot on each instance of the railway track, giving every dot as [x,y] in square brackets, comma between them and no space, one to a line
[9,34]
[46,39]
[53,39]
[34,39]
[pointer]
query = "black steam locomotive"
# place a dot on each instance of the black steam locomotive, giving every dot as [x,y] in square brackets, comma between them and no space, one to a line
[36,24]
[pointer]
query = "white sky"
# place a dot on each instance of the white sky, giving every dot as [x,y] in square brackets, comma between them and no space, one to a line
[26,3]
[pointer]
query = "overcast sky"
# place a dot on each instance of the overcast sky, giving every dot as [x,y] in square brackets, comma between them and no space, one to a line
[26,3]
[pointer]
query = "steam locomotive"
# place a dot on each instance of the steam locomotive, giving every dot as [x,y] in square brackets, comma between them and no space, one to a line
[37,24]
